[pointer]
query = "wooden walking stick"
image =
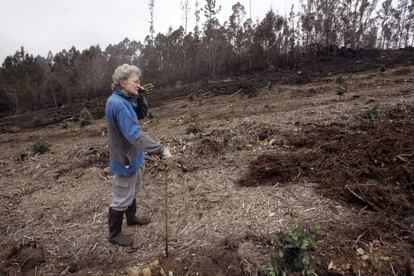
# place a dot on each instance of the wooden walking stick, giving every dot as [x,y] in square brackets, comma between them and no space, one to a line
[167,168]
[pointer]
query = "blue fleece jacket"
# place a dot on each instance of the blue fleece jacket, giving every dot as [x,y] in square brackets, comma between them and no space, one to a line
[127,142]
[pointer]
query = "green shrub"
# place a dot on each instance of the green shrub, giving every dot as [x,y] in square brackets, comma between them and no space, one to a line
[64,125]
[192,129]
[39,147]
[373,113]
[341,86]
[288,257]
[85,117]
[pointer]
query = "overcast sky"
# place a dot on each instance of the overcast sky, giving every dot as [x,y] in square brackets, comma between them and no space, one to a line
[43,25]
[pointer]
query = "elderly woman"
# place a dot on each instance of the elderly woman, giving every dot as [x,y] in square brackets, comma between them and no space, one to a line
[127,145]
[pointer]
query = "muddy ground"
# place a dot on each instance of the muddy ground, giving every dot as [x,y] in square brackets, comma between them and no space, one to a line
[288,155]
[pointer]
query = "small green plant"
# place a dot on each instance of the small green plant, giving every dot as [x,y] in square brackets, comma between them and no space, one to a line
[39,146]
[192,129]
[64,125]
[85,117]
[341,86]
[289,252]
[373,113]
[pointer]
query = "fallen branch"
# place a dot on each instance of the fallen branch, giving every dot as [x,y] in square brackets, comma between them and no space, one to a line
[361,198]
[357,240]
[5,205]
[393,271]
[191,266]
[237,92]
[230,105]
[103,177]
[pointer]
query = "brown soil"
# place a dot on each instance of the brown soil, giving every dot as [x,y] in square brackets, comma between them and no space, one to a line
[371,161]
[303,157]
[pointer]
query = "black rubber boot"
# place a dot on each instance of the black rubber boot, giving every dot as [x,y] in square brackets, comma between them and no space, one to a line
[131,217]
[115,229]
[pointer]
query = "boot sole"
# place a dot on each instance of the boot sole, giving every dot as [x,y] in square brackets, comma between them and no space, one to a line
[123,245]
[138,224]
[120,244]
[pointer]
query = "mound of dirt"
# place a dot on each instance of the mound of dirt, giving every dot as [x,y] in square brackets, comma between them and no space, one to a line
[255,130]
[212,262]
[372,164]
[24,257]
[208,146]
[97,156]
[350,247]
[219,140]
[231,256]
[269,169]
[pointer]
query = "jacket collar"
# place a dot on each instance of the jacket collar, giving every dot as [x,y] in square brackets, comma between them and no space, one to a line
[128,98]
[122,94]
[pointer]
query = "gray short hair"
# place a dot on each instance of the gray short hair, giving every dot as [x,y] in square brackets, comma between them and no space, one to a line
[122,73]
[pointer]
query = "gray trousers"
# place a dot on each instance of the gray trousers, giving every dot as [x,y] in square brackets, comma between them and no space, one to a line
[124,190]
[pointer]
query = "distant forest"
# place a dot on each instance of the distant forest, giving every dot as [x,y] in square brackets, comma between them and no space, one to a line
[321,30]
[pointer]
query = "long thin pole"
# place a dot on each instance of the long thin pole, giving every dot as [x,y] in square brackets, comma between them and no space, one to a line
[167,168]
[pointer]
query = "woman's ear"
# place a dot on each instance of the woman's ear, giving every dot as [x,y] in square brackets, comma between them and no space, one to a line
[122,83]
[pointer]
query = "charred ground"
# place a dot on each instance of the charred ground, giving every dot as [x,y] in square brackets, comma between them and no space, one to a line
[290,154]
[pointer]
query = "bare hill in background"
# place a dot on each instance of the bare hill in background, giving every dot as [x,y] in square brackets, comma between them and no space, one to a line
[349,62]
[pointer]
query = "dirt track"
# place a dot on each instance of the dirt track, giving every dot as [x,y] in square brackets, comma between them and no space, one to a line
[53,207]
